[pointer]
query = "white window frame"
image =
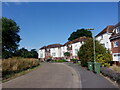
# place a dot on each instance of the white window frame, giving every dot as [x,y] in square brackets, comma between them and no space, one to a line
[115,43]
[117,30]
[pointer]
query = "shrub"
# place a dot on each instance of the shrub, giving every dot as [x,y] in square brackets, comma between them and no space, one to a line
[13,65]
[61,60]
[104,59]
[111,74]
[86,54]
[67,54]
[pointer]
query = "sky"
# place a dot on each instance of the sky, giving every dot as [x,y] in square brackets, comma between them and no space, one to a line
[44,23]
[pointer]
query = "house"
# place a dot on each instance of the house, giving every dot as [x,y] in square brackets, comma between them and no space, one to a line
[115,43]
[74,46]
[104,35]
[56,51]
[50,51]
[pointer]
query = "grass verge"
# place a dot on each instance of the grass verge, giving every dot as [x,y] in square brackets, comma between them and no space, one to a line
[15,75]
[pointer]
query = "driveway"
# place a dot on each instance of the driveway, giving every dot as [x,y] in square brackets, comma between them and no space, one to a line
[49,75]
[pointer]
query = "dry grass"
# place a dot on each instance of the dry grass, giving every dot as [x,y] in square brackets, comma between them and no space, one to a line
[115,68]
[17,64]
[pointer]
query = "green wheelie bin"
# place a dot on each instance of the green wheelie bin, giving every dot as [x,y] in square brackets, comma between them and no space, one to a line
[97,68]
[90,66]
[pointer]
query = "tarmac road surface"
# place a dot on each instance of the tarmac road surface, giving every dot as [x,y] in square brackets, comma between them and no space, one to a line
[48,75]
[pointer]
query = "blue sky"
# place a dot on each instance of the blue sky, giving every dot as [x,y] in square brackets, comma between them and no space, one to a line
[44,23]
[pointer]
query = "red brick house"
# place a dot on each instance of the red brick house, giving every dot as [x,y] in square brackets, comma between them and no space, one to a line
[115,43]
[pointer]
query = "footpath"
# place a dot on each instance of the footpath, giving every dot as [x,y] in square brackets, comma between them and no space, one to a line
[89,79]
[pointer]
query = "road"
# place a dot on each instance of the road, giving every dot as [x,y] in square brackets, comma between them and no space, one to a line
[48,75]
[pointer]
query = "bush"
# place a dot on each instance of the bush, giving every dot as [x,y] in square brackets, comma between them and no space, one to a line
[111,74]
[62,60]
[86,51]
[14,65]
[104,59]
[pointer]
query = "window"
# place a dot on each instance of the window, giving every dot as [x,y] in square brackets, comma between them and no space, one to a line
[101,36]
[41,55]
[115,43]
[76,51]
[53,54]
[116,55]
[118,30]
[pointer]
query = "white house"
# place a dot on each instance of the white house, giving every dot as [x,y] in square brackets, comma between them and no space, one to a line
[56,51]
[63,50]
[75,48]
[104,35]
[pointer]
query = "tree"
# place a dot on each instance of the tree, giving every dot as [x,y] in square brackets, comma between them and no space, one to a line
[86,54]
[34,53]
[67,54]
[80,33]
[10,37]
[25,53]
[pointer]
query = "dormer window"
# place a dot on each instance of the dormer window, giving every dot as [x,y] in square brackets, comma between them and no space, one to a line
[117,30]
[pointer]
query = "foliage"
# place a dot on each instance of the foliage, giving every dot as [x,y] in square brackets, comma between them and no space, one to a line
[86,51]
[80,33]
[115,68]
[67,54]
[10,37]
[61,60]
[104,59]
[26,54]
[111,74]
[14,65]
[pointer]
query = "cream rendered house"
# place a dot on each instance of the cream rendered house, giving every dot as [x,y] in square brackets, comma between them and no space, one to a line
[104,35]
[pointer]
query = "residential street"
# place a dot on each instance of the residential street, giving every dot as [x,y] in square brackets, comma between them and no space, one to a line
[89,79]
[49,75]
[60,75]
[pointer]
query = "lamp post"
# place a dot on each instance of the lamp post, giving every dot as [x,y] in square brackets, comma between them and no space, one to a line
[93,44]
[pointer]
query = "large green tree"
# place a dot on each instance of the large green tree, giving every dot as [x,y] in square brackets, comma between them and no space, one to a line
[25,53]
[10,37]
[86,51]
[80,33]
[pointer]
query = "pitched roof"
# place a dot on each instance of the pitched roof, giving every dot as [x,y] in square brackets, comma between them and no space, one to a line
[54,45]
[76,40]
[114,34]
[108,29]
[51,46]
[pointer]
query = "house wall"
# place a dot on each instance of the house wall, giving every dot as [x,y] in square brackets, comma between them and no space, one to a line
[41,53]
[116,50]
[104,40]
[55,52]
[75,48]
[63,50]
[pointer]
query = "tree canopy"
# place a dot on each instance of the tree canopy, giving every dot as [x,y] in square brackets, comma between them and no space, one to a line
[86,51]
[25,53]
[80,33]
[10,37]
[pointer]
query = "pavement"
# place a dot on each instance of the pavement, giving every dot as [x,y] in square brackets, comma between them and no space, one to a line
[89,79]
[48,75]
